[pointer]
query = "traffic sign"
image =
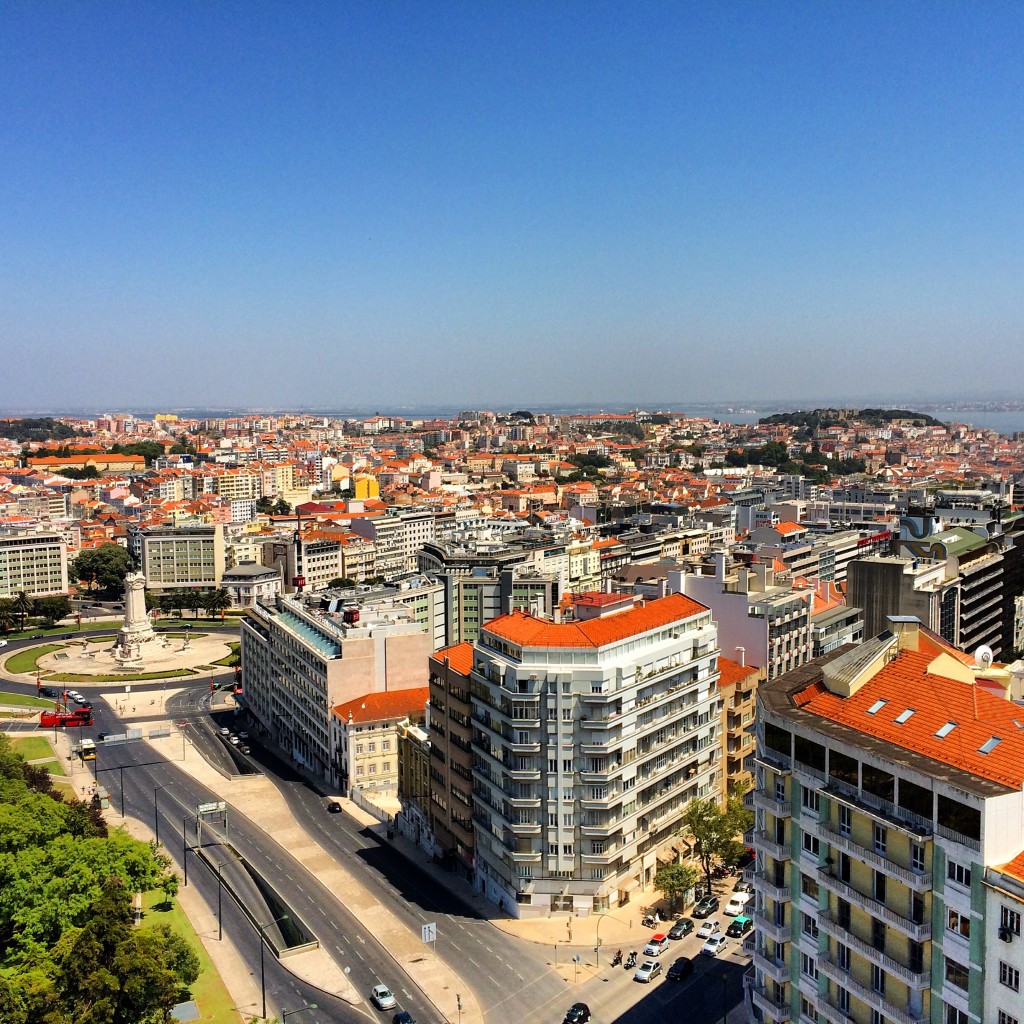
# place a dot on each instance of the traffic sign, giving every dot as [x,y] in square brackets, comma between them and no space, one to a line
[429,932]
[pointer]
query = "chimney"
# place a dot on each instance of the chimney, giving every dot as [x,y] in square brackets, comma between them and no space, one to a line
[742,653]
[720,557]
[907,629]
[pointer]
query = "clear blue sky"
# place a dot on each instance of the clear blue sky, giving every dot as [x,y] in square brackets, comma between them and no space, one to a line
[497,204]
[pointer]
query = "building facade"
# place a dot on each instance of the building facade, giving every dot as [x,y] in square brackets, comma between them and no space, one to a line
[36,563]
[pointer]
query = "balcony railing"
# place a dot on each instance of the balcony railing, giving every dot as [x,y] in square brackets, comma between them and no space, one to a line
[764,925]
[773,1009]
[917,980]
[767,802]
[780,851]
[919,882]
[772,968]
[878,807]
[958,837]
[779,893]
[774,760]
[919,932]
[876,1000]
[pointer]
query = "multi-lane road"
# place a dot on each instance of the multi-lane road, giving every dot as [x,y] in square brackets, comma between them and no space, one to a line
[512,980]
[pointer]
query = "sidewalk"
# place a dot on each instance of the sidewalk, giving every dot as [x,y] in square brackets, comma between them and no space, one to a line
[260,800]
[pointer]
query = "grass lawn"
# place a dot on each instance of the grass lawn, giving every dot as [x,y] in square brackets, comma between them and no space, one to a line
[33,747]
[53,767]
[24,700]
[101,639]
[211,996]
[121,677]
[25,661]
[66,789]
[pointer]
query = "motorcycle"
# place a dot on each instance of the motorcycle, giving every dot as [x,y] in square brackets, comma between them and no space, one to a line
[649,921]
[631,961]
[617,959]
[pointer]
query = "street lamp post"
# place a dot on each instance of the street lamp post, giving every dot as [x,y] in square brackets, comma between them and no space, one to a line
[156,812]
[725,997]
[263,977]
[285,1014]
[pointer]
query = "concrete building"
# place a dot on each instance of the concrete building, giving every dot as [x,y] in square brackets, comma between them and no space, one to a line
[297,666]
[889,780]
[737,688]
[177,558]
[397,537]
[36,563]
[590,736]
[250,582]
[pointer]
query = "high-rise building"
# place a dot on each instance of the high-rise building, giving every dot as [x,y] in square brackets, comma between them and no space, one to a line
[589,738]
[36,563]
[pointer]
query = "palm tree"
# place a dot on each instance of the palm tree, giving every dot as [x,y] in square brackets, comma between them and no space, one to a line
[7,614]
[192,600]
[217,601]
[22,605]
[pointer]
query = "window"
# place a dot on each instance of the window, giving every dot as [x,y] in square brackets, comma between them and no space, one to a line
[845,820]
[843,957]
[552,764]
[946,730]
[877,706]
[1009,976]
[386,766]
[809,799]
[878,934]
[1010,920]
[566,849]
[809,925]
[566,714]
[371,748]
[553,819]
[811,844]
[567,820]
[958,873]
[958,923]
[385,744]
[809,887]
[881,838]
[567,764]
[780,791]
[842,1000]
[957,974]
[917,856]
[955,1016]
[359,748]
[877,979]
[879,886]
[1005,1018]
[808,966]
[904,716]
[360,769]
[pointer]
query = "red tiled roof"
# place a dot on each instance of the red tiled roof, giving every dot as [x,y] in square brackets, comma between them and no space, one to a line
[1015,867]
[459,656]
[905,683]
[733,672]
[529,631]
[387,705]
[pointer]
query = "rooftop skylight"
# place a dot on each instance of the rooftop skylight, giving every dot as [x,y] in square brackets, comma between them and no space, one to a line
[946,730]
[901,718]
[877,706]
[989,745]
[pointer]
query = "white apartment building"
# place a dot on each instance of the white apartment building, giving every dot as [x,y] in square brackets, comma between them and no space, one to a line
[173,558]
[397,537]
[589,737]
[36,563]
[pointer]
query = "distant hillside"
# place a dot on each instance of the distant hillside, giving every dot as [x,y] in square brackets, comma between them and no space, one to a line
[819,419]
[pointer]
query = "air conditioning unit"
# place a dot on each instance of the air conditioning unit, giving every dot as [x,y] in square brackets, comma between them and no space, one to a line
[1006,935]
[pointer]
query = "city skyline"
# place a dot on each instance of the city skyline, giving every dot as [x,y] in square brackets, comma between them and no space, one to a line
[340,207]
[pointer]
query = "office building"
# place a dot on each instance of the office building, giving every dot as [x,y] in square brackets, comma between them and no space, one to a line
[36,563]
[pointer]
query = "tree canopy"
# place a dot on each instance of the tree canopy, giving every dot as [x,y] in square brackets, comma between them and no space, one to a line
[715,830]
[103,568]
[675,880]
[43,428]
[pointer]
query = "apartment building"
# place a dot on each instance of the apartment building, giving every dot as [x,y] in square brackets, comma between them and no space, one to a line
[737,689]
[890,784]
[589,737]
[422,595]
[298,665]
[397,536]
[173,558]
[36,563]
[451,757]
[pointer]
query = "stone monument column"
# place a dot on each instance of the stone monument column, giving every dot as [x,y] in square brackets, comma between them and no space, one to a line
[137,628]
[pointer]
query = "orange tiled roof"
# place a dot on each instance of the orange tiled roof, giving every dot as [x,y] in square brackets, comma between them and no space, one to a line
[905,683]
[1015,867]
[387,705]
[459,656]
[733,672]
[529,631]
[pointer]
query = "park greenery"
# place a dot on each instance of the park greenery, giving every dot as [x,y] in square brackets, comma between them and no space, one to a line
[103,568]
[43,428]
[69,953]
[269,507]
[15,611]
[715,830]
[822,419]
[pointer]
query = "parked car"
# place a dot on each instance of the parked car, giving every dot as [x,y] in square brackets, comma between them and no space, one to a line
[69,636]
[657,945]
[679,969]
[715,945]
[708,928]
[3,643]
[706,907]
[383,998]
[739,926]
[647,971]
[578,1013]
[37,636]
[681,928]
[742,886]
[403,1017]
[244,748]
[737,903]
[233,740]
[224,731]
[333,806]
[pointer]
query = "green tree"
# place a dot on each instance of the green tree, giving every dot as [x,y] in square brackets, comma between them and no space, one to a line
[281,508]
[341,583]
[673,881]
[192,600]
[216,601]
[53,609]
[265,505]
[102,568]
[22,606]
[715,829]
[8,616]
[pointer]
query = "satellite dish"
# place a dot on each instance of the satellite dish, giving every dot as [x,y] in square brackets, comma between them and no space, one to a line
[984,657]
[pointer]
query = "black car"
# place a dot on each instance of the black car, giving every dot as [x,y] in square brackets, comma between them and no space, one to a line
[739,926]
[681,968]
[578,1013]
[681,928]
[69,636]
[48,691]
[37,636]
[706,907]
[403,1017]
[334,807]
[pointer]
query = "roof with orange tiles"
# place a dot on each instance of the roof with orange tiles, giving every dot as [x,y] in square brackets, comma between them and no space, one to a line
[789,528]
[733,672]
[950,721]
[1015,867]
[530,631]
[459,656]
[385,706]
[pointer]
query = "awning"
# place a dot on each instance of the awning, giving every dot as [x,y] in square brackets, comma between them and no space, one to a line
[666,857]
[629,885]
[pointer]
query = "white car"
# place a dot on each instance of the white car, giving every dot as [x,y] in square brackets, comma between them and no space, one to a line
[708,928]
[736,904]
[647,971]
[657,945]
[383,997]
[715,945]
[3,643]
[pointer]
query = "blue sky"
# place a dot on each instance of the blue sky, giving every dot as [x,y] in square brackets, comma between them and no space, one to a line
[375,204]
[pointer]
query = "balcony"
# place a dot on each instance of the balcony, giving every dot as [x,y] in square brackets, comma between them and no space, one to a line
[779,893]
[919,932]
[771,968]
[523,801]
[524,774]
[958,837]
[779,851]
[881,810]
[919,882]
[598,802]
[774,761]
[767,802]
[772,1008]
[530,747]
[807,776]
[877,1001]
[600,830]
[831,1013]
[525,828]
[917,980]
[764,925]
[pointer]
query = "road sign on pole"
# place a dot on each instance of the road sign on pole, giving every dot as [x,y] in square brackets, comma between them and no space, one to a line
[429,932]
